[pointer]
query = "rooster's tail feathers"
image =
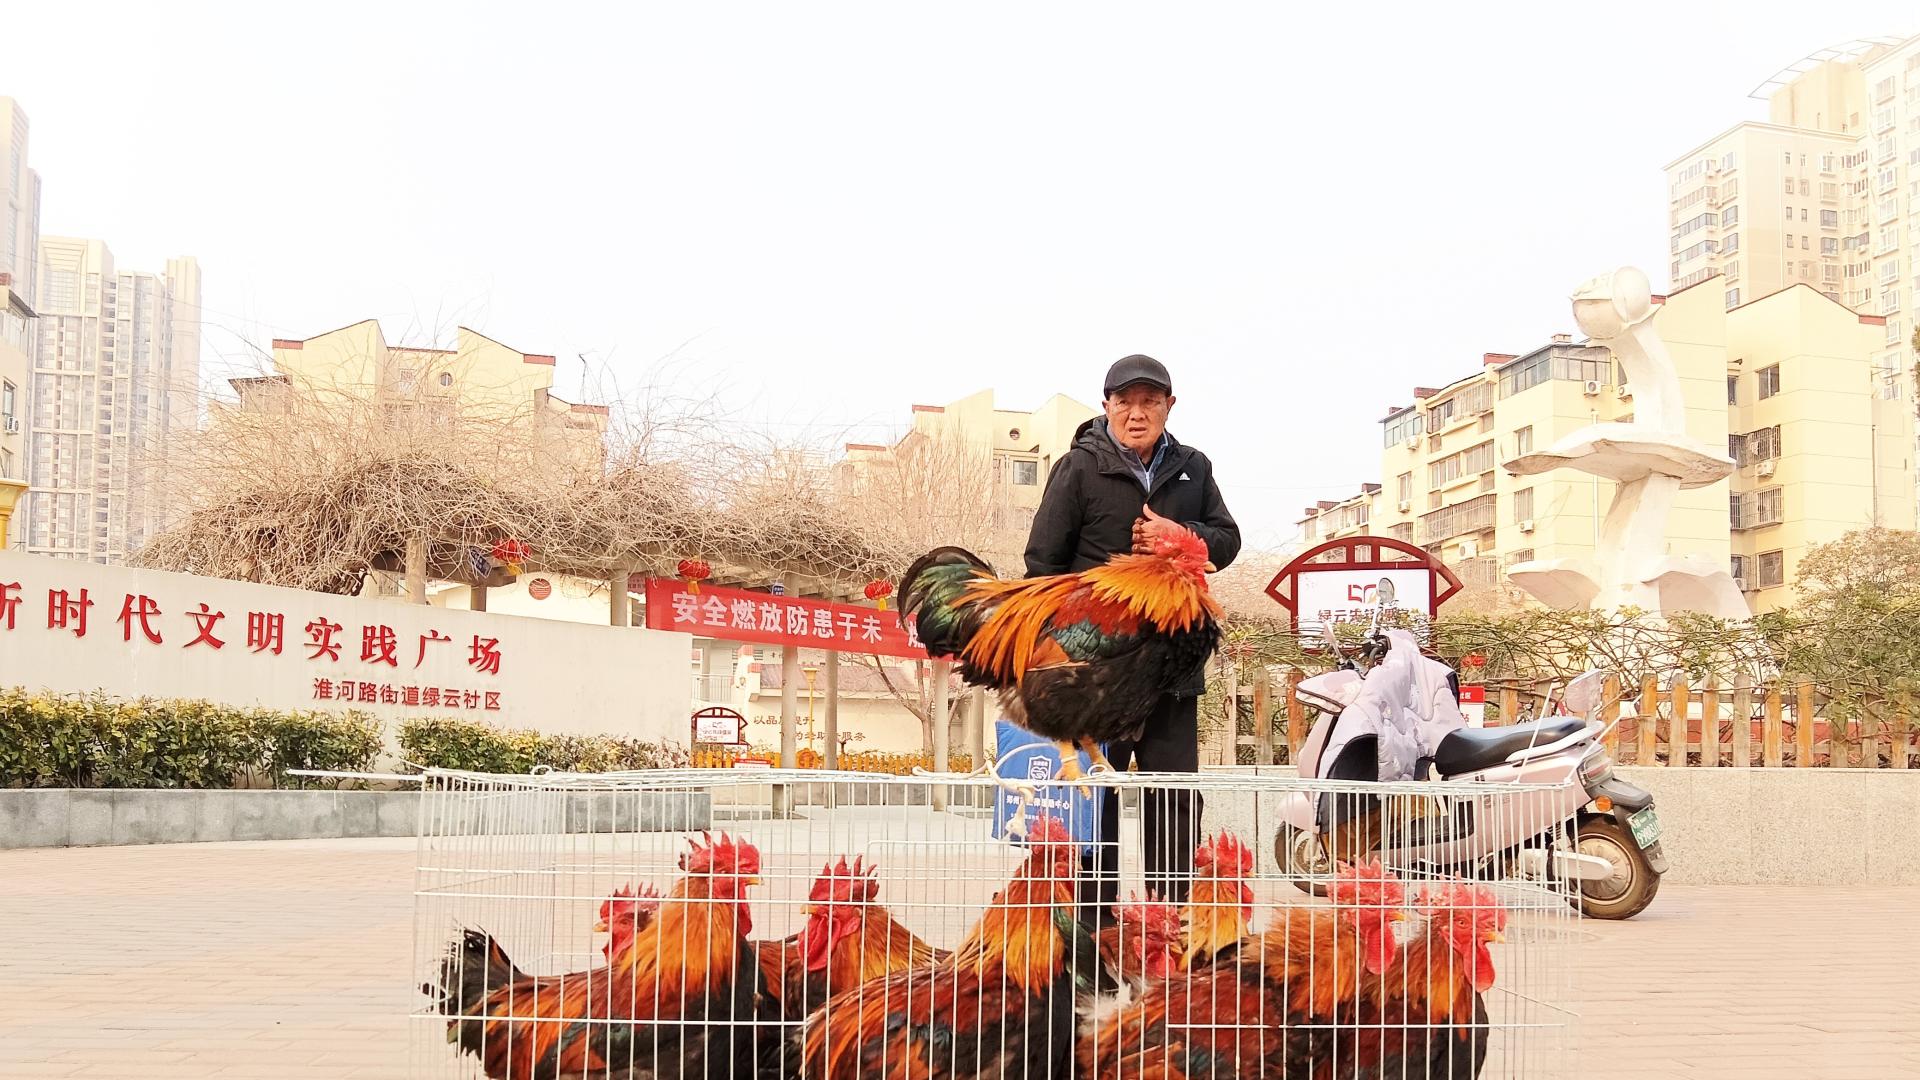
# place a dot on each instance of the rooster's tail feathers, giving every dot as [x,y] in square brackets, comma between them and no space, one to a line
[929,591]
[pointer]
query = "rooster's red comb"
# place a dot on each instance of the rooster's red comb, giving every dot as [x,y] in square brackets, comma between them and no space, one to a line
[1155,917]
[1047,831]
[846,884]
[1369,883]
[1223,856]
[722,856]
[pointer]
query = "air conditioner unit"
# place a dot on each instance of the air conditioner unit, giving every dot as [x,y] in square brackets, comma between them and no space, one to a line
[1626,390]
[1405,505]
[1413,443]
[13,425]
[1740,583]
[1765,468]
[1593,388]
[1469,549]
[1526,525]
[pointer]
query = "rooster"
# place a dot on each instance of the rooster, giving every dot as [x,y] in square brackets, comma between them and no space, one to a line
[675,999]
[1220,905]
[1424,1016]
[1001,1005]
[848,939]
[1266,1008]
[1077,658]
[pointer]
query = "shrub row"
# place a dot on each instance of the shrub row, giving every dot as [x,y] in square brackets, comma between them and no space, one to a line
[477,747]
[94,740]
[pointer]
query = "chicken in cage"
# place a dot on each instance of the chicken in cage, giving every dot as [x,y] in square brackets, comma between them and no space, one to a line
[841,927]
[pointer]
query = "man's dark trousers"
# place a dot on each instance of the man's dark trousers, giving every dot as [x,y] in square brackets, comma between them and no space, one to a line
[1169,820]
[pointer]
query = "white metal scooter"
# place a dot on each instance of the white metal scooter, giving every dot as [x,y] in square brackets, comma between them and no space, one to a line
[1591,827]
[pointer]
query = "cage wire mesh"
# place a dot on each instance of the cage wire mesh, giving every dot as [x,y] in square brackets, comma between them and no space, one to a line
[808,924]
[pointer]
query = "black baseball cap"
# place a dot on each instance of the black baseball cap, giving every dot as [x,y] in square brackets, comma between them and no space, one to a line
[1138,368]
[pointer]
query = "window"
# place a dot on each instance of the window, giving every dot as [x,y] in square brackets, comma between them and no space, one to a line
[1829,219]
[1763,445]
[1403,425]
[1768,379]
[1768,507]
[1804,191]
[1803,213]
[1773,570]
[1733,298]
[1404,486]
[1893,331]
[1402,532]
[1736,512]
[1731,243]
[1889,270]
[1789,157]
[446,378]
[1523,441]
[1730,216]
[1523,505]
[1829,245]
[1026,473]
[1732,271]
[1473,515]
[1788,209]
[1733,389]
[7,400]
[1805,241]
[1519,555]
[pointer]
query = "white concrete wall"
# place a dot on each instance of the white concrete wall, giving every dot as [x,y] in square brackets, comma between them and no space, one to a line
[553,676]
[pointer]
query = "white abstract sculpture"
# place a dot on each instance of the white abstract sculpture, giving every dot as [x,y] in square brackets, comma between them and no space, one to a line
[1650,459]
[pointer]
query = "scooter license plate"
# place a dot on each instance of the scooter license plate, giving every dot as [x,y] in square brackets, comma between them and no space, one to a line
[1646,827]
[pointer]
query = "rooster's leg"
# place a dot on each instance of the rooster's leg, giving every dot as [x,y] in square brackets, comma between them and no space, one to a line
[1093,753]
[1070,767]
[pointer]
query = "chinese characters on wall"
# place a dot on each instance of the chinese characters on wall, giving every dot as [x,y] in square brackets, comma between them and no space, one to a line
[329,648]
[737,615]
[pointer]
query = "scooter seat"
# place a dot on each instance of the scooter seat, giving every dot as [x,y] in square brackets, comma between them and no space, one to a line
[1467,750]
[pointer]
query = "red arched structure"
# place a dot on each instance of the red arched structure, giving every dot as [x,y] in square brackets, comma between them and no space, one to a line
[1360,556]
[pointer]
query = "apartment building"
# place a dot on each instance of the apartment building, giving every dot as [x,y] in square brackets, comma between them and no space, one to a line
[19,238]
[1762,207]
[116,366]
[1018,447]
[1788,381]
[1826,193]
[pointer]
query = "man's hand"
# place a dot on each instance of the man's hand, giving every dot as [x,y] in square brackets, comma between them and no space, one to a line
[1150,528]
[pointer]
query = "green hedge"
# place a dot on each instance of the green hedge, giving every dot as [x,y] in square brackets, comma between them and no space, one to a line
[465,744]
[94,740]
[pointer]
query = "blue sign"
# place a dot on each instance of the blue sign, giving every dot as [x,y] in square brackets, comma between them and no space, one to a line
[1022,754]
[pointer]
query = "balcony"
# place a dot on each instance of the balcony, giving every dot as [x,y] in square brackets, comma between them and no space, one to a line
[1474,515]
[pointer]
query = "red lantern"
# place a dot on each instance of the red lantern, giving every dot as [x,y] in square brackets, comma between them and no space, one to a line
[511,553]
[693,572]
[1474,659]
[878,590]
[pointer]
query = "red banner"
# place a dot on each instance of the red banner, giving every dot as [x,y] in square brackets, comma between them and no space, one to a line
[739,615]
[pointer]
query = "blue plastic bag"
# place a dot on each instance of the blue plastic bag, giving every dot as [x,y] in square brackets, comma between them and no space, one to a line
[1022,754]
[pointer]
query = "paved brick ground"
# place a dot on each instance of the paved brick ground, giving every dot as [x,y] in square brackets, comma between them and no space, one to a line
[289,961]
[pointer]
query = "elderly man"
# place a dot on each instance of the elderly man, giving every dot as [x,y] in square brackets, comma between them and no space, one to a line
[1091,511]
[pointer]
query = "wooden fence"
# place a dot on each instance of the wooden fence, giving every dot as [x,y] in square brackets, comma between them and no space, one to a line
[1739,725]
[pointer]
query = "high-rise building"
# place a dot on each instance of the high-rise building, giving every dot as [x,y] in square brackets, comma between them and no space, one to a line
[116,361]
[1788,381]
[1826,193]
[1763,207]
[19,238]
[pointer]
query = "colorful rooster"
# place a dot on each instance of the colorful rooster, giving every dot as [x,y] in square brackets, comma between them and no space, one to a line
[1220,906]
[1077,658]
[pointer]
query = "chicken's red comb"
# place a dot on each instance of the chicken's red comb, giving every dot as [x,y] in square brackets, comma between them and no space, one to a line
[840,883]
[1369,882]
[628,900]
[1047,831]
[1460,901]
[1225,856]
[724,855]
[1156,918]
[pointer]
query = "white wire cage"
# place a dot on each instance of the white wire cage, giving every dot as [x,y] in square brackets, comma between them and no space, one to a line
[710,923]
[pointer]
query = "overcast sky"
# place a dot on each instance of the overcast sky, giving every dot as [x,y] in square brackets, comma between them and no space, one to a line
[836,210]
